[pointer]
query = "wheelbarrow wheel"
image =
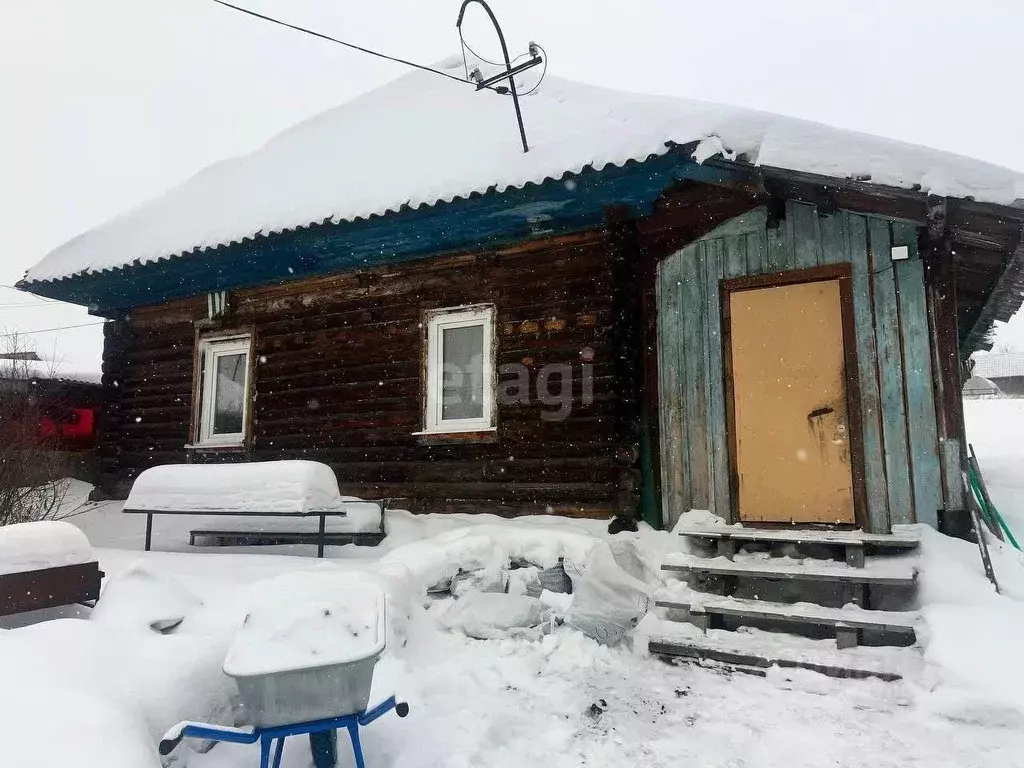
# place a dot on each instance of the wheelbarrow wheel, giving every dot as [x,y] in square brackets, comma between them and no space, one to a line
[324,746]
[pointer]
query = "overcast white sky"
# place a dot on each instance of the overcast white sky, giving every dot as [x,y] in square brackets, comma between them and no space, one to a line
[105,103]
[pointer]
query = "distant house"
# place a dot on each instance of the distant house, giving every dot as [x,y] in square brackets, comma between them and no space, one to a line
[977,387]
[41,411]
[1004,369]
[664,305]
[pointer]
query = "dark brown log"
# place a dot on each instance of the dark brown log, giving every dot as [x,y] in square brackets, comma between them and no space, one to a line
[338,378]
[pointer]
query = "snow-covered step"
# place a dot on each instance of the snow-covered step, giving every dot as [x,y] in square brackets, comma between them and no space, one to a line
[908,540]
[853,543]
[759,650]
[895,573]
[847,621]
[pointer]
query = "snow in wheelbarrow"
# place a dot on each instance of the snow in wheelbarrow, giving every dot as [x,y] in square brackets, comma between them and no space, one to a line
[306,651]
[303,660]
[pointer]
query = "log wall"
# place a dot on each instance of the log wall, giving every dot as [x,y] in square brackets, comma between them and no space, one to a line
[338,377]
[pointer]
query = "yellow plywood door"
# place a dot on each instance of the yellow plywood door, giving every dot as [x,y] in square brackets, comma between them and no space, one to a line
[789,396]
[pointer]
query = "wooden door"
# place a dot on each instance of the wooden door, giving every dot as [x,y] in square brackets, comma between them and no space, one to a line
[791,441]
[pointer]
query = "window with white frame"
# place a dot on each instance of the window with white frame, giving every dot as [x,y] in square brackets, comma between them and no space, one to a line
[460,370]
[223,390]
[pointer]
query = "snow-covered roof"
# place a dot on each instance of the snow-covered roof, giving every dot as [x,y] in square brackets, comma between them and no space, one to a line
[423,139]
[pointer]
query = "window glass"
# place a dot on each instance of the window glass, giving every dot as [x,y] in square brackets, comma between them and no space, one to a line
[229,397]
[462,388]
[223,394]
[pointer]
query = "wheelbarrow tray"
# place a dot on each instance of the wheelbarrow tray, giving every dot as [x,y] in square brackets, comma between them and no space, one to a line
[332,681]
[305,695]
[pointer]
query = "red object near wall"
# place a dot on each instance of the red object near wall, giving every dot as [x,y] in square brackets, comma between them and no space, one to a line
[74,428]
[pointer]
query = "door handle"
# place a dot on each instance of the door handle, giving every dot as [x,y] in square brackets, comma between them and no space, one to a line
[817,412]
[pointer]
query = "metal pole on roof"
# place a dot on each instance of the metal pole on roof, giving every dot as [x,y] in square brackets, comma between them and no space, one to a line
[508,63]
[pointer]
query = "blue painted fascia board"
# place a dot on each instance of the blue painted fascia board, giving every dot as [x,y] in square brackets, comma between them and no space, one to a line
[573,203]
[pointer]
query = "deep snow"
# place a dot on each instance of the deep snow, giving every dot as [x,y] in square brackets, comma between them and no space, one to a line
[109,686]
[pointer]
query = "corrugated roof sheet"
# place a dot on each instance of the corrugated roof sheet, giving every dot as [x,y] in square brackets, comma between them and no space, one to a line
[423,139]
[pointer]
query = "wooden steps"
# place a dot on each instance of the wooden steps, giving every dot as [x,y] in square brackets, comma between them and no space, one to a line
[803,536]
[778,569]
[779,598]
[702,610]
[727,539]
[759,651]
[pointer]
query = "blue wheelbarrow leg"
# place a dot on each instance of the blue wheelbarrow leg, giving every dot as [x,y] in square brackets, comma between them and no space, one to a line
[357,748]
[324,746]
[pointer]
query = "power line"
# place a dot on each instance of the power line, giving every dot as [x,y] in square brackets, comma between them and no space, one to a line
[543,72]
[48,330]
[41,298]
[486,60]
[342,42]
[40,305]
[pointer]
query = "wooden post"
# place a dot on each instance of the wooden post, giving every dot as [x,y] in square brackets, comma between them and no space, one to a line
[627,341]
[116,344]
[940,276]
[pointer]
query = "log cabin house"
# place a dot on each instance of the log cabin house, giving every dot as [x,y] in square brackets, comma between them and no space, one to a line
[665,305]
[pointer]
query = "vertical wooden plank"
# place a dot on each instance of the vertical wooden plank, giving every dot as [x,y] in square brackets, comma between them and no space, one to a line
[856,249]
[735,255]
[806,237]
[695,394]
[922,430]
[905,233]
[953,463]
[778,256]
[717,452]
[833,244]
[890,373]
[667,387]
[942,301]
[757,252]
[670,385]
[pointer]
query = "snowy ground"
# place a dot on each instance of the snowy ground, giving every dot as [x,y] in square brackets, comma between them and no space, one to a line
[996,430]
[99,693]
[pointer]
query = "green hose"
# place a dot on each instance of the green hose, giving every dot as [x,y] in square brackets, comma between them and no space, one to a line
[989,511]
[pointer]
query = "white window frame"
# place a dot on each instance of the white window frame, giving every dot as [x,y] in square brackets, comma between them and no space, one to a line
[437,322]
[210,350]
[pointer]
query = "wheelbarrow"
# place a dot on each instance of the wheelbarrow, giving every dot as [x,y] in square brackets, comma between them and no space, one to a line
[304,665]
[322,735]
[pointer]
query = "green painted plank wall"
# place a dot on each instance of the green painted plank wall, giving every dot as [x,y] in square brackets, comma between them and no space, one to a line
[855,237]
[890,371]
[901,453]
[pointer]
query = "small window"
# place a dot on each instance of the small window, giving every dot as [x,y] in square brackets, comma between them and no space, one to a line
[460,370]
[223,390]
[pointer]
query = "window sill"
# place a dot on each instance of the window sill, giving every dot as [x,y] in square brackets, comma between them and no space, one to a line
[447,436]
[239,446]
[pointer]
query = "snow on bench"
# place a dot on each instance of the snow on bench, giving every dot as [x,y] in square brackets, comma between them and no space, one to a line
[45,564]
[44,544]
[272,489]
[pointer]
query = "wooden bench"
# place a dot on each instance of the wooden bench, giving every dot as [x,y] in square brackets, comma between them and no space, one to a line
[269,489]
[321,537]
[25,591]
[270,538]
